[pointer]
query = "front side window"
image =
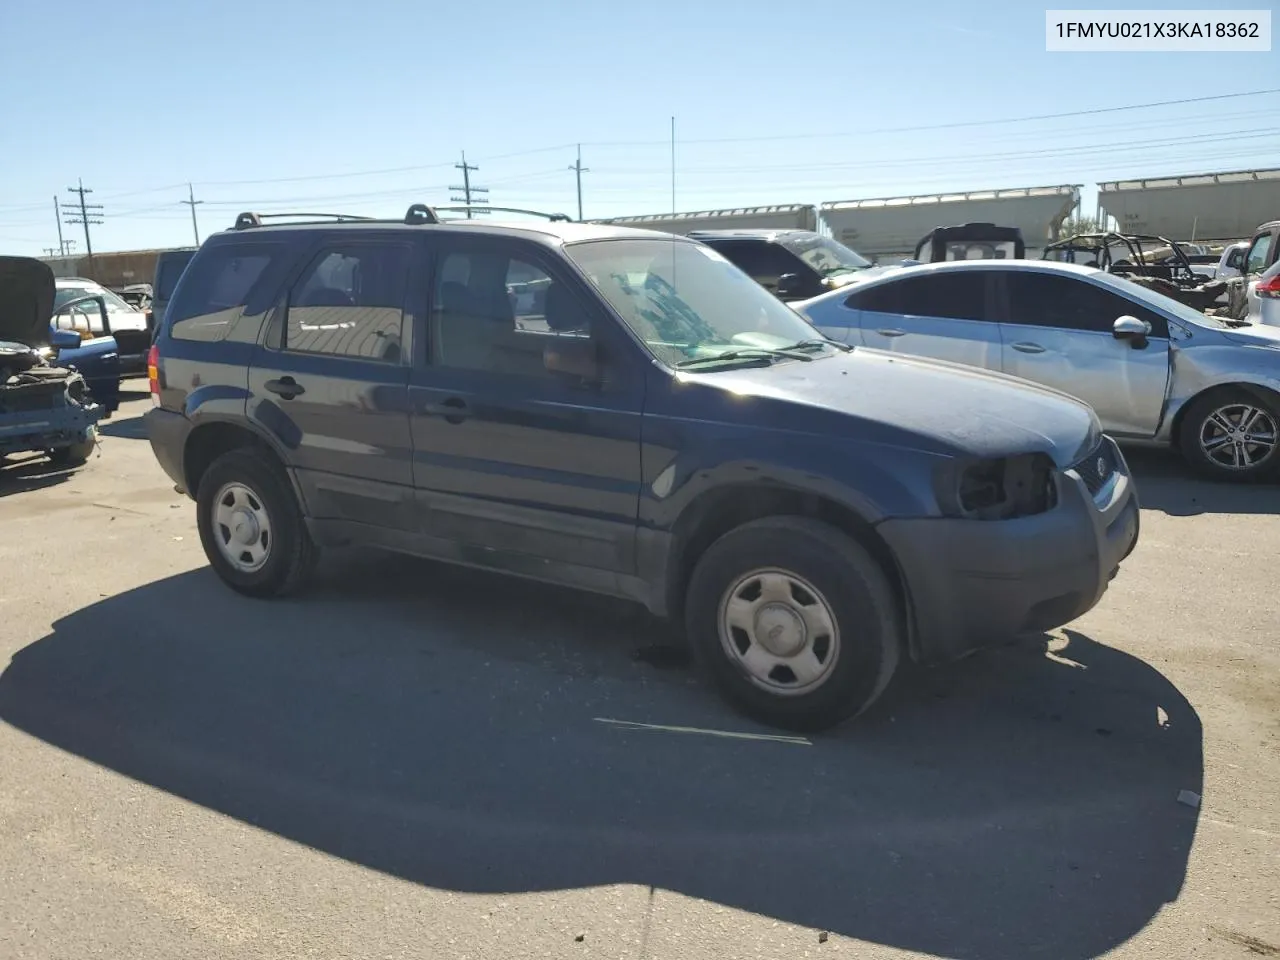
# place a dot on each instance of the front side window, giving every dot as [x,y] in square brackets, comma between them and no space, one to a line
[350,303]
[1258,254]
[1073,303]
[686,301]
[493,311]
[762,261]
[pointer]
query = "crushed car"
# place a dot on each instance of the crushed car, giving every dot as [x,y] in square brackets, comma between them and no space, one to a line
[44,406]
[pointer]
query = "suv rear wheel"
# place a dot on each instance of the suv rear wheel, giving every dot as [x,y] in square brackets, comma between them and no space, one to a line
[251,527]
[794,621]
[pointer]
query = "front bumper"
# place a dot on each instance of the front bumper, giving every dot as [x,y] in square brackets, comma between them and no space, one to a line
[974,583]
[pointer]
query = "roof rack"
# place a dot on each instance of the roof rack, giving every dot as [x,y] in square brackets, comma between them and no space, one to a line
[486,208]
[250,219]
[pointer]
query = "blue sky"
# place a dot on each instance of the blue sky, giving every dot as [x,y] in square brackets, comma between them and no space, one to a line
[281,104]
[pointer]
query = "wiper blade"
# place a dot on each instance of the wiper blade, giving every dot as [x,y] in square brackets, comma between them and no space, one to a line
[748,355]
[817,342]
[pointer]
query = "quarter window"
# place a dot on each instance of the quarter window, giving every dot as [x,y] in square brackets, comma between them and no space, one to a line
[350,303]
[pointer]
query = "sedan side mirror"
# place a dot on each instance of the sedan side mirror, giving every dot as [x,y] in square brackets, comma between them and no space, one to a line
[577,358]
[1132,329]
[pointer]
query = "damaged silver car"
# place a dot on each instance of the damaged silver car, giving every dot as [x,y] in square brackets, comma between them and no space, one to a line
[44,407]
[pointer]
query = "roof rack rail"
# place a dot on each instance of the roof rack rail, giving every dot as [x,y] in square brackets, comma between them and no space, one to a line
[420,213]
[486,208]
[251,219]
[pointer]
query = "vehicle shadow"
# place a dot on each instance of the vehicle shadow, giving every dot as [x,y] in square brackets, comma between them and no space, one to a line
[1166,483]
[445,727]
[33,472]
[131,428]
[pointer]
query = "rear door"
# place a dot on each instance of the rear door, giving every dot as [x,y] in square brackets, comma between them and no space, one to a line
[946,314]
[1058,332]
[331,379]
[511,460]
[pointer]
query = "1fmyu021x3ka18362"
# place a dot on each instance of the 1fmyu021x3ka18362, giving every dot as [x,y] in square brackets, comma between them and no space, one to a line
[1160,31]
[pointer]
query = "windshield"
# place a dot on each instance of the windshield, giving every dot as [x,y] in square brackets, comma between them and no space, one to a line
[825,255]
[1157,300]
[114,303]
[685,300]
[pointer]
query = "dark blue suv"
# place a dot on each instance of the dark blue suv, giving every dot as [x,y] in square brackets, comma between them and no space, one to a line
[626,412]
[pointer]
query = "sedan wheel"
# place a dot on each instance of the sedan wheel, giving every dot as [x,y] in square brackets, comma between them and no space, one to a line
[1238,436]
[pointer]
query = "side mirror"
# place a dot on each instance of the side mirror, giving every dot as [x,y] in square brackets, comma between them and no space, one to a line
[1132,329]
[788,285]
[65,339]
[575,357]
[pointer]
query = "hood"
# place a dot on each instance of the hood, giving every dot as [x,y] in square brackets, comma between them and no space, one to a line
[26,300]
[968,411]
[1258,335]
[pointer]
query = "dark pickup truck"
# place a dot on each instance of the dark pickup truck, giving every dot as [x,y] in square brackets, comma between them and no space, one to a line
[626,412]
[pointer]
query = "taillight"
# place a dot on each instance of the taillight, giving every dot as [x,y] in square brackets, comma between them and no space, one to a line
[1269,288]
[153,374]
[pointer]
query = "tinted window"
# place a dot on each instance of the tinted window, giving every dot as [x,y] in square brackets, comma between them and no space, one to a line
[215,290]
[1259,254]
[882,298]
[762,261]
[350,303]
[495,312]
[957,296]
[1072,303]
[167,273]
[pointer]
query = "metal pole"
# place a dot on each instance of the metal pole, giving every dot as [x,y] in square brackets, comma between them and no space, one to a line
[191,201]
[580,170]
[466,182]
[57,215]
[673,165]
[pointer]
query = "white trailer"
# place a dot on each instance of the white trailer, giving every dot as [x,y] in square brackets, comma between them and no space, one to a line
[787,216]
[890,227]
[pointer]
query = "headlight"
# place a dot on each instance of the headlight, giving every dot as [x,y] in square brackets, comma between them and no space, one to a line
[1001,489]
[1091,439]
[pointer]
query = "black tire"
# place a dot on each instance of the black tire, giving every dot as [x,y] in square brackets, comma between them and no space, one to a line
[291,553]
[856,591]
[76,453]
[1195,423]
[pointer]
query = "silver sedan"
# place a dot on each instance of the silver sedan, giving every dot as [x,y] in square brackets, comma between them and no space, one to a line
[1152,368]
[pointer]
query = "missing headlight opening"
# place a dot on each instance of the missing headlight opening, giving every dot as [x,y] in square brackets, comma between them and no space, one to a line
[1011,487]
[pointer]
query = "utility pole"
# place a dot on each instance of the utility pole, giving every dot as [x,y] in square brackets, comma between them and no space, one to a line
[579,169]
[673,165]
[49,251]
[191,201]
[87,213]
[57,218]
[467,188]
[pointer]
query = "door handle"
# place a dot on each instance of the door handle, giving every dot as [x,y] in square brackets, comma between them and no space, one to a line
[1023,346]
[454,410]
[286,387]
[892,333]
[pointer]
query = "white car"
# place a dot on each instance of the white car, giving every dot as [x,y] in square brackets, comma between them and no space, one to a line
[127,324]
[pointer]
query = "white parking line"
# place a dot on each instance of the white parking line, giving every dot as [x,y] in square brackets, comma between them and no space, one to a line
[730,734]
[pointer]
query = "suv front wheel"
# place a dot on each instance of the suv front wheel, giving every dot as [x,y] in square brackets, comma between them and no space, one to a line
[795,622]
[251,527]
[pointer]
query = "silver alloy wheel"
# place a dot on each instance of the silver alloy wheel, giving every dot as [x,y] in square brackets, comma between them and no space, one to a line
[241,527]
[1238,436]
[781,630]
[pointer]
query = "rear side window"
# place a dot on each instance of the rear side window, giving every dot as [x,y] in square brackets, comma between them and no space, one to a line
[349,302]
[957,296]
[167,275]
[215,290]
[1259,254]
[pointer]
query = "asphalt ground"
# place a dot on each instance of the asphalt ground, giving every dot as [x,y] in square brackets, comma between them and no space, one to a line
[417,761]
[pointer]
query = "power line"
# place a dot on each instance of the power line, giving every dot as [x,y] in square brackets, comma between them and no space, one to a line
[467,188]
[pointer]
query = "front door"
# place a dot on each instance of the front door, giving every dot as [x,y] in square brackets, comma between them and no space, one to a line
[511,459]
[943,314]
[331,381]
[1058,332]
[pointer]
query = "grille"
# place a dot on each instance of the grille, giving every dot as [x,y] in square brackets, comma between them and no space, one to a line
[1097,466]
